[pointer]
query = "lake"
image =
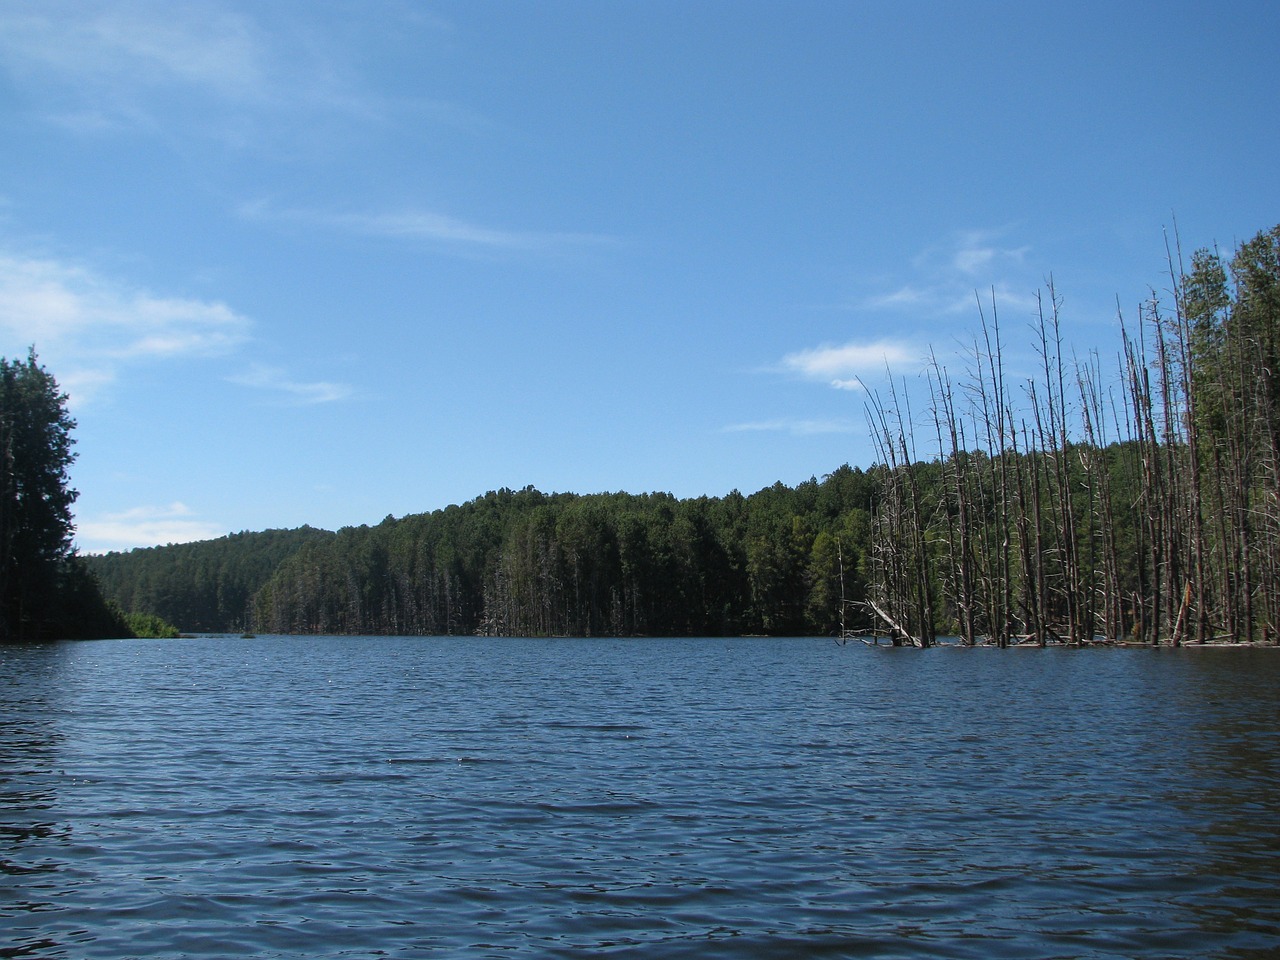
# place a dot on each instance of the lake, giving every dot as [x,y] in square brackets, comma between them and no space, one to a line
[462,797]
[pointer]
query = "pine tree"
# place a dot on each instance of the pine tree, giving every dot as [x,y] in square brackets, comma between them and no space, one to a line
[35,498]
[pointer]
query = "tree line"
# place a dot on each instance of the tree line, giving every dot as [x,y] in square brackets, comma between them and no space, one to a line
[529,563]
[1130,496]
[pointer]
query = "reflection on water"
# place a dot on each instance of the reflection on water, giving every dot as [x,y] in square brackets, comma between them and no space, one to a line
[399,797]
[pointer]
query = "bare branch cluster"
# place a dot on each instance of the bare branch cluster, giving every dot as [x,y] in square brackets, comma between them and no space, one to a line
[1081,506]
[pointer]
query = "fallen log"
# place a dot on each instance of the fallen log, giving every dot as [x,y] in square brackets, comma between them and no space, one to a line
[896,628]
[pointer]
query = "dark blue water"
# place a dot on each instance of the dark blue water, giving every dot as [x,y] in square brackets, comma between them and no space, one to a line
[403,798]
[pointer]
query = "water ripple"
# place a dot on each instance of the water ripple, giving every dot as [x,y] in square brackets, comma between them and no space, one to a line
[408,798]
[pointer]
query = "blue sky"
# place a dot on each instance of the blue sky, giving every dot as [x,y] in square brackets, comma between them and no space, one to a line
[321,262]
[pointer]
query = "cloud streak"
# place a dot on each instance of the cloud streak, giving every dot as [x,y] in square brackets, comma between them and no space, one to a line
[294,392]
[103,66]
[98,325]
[428,226]
[949,276]
[93,328]
[844,366]
[977,252]
[795,427]
[106,60]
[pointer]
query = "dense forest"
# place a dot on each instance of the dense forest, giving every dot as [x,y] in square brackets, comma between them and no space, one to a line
[204,587]
[1087,498]
[528,563]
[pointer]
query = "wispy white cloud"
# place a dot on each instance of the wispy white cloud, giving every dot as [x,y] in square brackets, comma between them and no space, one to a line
[91,328]
[428,226]
[143,527]
[795,427]
[103,59]
[93,325]
[843,366]
[852,383]
[973,260]
[946,299]
[946,275]
[263,377]
[977,252]
[905,296]
[96,65]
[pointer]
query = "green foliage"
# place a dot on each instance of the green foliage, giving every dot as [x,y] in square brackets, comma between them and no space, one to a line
[524,562]
[203,587]
[148,625]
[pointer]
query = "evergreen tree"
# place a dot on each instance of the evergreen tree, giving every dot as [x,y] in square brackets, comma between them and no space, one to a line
[35,499]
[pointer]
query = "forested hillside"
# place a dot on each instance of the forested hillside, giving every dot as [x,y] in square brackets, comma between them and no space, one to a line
[205,586]
[524,562]
[528,563]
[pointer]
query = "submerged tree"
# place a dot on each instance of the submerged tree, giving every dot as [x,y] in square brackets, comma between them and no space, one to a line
[1146,508]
